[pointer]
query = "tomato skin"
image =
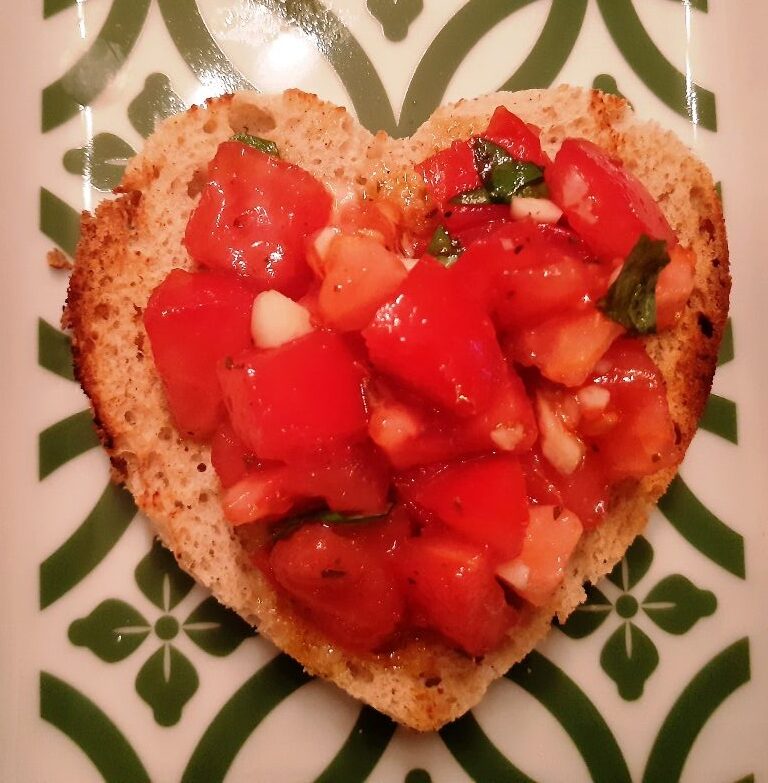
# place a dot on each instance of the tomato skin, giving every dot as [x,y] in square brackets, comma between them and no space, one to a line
[604,202]
[360,275]
[520,140]
[527,272]
[643,438]
[433,339]
[411,435]
[450,172]
[349,593]
[350,480]
[482,499]
[451,587]
[586,491]
[253,217]
[566,348]
[674,286]
[299,398]
[230,458]
[193,320]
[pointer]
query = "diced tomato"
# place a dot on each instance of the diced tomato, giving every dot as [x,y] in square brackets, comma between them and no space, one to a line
[435,340]
[586,491]
[360,275]
[384,537]
[230,458]
[527,272]
[470,224]
[450,172]
[254,216]
[520,140]
[643,438]
[550,539]
[411,434]
[295,399]
[350,594]
[258,496]
[604,202]
[193,320]
[483,499]
[566,347]
[351,480]
[674,286]
[452,588]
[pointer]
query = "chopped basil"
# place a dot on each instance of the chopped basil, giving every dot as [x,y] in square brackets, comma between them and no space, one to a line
[503,177]
[264,145]
[445,248]
[631,299]
[509,179]
[287,527]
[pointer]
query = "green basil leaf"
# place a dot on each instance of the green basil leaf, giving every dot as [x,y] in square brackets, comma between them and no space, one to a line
[264,145]
[287,527]
[631,299]
[445,248]
[508,179]
[472,198]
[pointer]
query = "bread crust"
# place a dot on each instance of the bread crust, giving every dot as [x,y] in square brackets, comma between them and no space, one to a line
[132,242]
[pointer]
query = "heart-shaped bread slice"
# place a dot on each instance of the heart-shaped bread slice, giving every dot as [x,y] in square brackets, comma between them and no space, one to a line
[131,243]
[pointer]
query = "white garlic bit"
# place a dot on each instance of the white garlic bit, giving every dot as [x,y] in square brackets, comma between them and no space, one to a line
[276,319]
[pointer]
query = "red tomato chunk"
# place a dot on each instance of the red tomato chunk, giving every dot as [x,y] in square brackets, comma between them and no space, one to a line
[350,594]
[431,338]
[254,216]
[195,319]
[295,399]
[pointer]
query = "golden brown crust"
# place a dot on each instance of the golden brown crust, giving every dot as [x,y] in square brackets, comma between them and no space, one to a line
[133,241]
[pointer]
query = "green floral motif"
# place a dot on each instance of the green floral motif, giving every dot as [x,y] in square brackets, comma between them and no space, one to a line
[629,657]
[114,630]
[153,104]
[395,16]
[102,161]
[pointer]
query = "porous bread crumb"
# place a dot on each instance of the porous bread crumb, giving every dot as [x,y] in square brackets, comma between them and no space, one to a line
[131,244]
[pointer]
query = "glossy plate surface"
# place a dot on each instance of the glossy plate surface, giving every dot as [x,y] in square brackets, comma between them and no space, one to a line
[115,667]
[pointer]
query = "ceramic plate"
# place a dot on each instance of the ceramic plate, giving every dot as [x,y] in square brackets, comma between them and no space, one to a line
[115,666]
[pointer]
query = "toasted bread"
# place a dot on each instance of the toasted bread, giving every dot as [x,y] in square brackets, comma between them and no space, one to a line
[131,243]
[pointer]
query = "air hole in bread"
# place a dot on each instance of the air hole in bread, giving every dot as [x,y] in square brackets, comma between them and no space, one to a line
[130,417]
[705,325]
[201,467]
[210,126]
[247,118]
[196,183]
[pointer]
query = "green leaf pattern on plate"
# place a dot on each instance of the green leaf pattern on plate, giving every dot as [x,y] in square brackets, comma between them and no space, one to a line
[168,679]
[101,162]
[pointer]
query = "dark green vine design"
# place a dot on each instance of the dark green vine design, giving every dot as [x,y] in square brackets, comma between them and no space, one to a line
[59,222]
[65,440]
[237,719]
[567,703]
[659,75]
[552,48]
[364,747]
[198,48]
[713,684]
[88,545]
[76,716]
[88,77]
